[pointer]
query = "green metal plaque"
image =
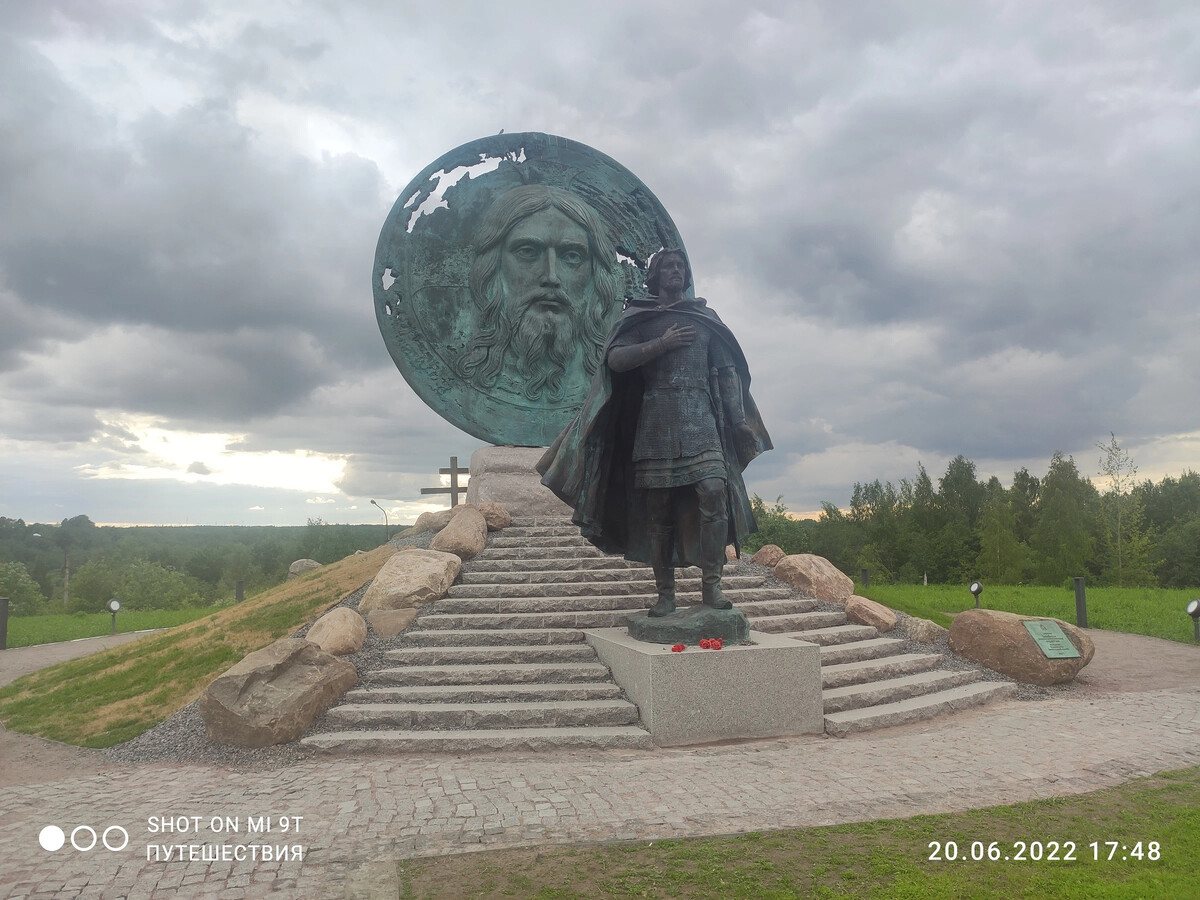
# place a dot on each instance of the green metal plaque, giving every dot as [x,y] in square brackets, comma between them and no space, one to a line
[499,273]
[1051,639]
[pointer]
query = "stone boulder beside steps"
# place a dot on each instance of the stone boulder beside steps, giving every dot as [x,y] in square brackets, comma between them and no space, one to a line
[815,576]
[273,695]
[999,641]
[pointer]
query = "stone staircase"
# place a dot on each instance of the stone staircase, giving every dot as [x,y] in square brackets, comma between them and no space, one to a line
[501,663]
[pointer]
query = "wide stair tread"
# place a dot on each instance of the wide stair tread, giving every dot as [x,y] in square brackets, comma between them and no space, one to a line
[501,714]
[916,709]
[477,637]
[840,674]
[613,737]
[492,673]
[834,634]
[501,653]
[485,693]
[889,690]
[857,651]
[590,587]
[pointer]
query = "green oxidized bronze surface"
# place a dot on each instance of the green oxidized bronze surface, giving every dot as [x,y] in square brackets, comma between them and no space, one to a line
[499,273]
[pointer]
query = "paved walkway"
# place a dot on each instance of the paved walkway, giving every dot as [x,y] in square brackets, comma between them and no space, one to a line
[357,815]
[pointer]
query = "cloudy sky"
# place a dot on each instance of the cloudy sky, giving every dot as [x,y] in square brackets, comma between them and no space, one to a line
[936,228]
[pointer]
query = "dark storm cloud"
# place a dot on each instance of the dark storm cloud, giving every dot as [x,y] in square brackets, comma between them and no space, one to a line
[936,227]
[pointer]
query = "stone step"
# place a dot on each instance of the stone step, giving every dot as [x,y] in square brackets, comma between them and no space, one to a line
[803,617]
[874,693]
[490,637]
[505,605]
[835,634]
[627,737]
[484,693]
[584,551]
[587,587]
[504,714]
[501,540]
[497,673]
[586,617]
[841,674]
[857,651]
[564,529]
[916,709]
[526,521]
[475,654]
[485,563]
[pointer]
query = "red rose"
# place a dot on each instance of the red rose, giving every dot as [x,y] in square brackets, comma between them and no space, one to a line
[679,648]
[705,643]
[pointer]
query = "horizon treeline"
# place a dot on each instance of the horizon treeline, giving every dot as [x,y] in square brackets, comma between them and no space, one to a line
[1040,530]
[158,567]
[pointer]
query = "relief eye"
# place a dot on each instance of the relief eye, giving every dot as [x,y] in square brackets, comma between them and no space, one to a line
[572,257]
[527,252]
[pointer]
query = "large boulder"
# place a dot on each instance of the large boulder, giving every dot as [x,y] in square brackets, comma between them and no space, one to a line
[815,576]
[768,555]
[862,611]
[411,578]
[999,641]
[390,622]
[432,521]
[496,516]
[274,694]
[302,567]
[923,630]
[339,631]
[465,536]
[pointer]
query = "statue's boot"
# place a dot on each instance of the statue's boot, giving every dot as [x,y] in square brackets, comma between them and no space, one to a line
[712,555]
[661,556]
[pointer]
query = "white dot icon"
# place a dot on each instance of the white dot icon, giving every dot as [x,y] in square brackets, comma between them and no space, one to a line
[51,838]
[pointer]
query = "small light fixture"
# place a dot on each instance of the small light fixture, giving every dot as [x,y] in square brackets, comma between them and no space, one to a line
[114,605]
[1193,610]
[976,589]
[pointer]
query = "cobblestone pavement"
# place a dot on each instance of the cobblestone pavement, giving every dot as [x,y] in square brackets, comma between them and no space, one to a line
[354,814]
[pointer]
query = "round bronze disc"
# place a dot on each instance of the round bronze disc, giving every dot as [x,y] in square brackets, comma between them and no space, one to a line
[499,273]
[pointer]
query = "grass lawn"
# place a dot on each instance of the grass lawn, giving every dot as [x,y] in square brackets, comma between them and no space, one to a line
[882,859]
[26,631]
[1157,612]
[110,697]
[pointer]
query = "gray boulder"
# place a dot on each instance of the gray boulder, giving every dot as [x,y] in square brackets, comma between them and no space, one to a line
[411,578]
[862,611]
[339,631]
[273,695]
[465,536]
[302,567]
[815,576]
[1000,642]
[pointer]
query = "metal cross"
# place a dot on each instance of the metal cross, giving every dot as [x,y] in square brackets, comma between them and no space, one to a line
[454,490]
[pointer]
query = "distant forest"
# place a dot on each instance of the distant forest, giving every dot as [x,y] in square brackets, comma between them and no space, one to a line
[158,567]
[1038,531]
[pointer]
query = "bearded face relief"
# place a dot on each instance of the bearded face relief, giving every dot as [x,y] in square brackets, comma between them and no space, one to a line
[544,283]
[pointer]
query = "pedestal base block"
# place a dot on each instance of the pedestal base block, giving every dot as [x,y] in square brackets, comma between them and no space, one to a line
[688,625]
[506,475]
[768,689]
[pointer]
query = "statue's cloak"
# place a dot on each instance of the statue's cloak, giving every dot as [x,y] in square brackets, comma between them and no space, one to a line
[590,464]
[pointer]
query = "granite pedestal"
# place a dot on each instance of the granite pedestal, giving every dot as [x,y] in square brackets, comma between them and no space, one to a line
[506,475]
[766,689]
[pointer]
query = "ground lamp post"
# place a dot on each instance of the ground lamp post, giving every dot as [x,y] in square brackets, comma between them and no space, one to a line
[976,588]
[1193,610]
[113,605]
[387,530]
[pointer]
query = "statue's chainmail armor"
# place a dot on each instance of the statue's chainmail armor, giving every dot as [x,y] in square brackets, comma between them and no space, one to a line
[677,440]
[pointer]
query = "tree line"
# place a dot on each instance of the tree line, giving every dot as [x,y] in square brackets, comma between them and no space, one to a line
[1039,530]
[76,565]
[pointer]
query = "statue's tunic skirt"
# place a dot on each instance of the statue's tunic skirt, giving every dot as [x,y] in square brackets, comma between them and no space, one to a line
[677,441]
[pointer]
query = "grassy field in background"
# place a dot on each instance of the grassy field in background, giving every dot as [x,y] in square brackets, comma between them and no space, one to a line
[26,631]
[110,697]
[1157,612]
[881,859]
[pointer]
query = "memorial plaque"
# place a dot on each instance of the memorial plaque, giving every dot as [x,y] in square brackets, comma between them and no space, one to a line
[1050,638]
[499,273]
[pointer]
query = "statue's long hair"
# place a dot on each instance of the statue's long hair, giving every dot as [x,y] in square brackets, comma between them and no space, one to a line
[654,270]
[484,355]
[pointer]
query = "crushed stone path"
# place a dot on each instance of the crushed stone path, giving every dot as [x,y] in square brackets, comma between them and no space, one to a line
[357,815]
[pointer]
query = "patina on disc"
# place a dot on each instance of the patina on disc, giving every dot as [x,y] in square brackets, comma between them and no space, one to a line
[499,273]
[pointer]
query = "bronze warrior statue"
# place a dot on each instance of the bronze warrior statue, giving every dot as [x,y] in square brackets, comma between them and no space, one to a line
[652,464]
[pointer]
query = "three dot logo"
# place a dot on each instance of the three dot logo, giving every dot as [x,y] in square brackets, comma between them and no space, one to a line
[83,838]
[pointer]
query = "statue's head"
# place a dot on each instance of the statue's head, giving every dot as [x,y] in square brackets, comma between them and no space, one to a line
[543,276]
[654,270]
